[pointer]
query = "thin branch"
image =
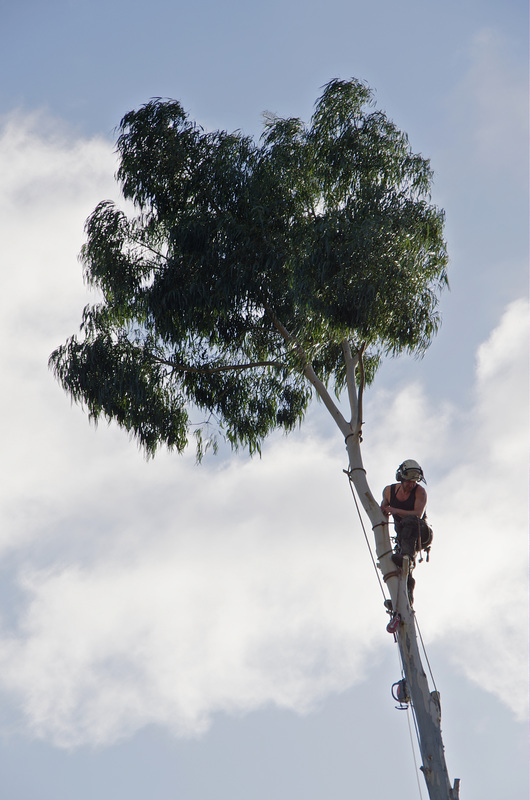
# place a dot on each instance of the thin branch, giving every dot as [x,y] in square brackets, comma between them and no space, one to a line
[145,246]
[289,338]
[361,390]
[310,373]
[212,370]
[351,362]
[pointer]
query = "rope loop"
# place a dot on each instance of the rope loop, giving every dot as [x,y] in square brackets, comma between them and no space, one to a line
[353,433]
[348,472]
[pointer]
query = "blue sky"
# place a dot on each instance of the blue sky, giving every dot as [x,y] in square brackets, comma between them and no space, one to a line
[190,633]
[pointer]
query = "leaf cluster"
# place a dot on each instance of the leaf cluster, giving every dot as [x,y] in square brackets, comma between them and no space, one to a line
[324,230]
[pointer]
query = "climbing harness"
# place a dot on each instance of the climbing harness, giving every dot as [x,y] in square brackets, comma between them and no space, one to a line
[424,543]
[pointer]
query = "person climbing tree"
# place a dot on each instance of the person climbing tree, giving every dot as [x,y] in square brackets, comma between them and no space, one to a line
[406,502]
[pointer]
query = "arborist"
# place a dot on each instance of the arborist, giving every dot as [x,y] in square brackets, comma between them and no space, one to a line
[406,502]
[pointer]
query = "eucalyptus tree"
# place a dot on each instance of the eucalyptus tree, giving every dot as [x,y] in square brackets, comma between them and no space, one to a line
[253,276]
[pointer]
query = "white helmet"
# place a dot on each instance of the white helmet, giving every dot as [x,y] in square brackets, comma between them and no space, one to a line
[409,470]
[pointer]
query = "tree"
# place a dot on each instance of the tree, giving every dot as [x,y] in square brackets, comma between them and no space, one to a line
[255,275]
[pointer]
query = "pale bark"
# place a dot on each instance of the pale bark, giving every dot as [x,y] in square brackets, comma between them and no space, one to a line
[426,705]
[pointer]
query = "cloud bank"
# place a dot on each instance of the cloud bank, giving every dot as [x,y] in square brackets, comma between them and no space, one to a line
[164,593]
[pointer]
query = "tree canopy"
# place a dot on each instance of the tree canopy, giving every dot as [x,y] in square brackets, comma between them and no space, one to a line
[248,262]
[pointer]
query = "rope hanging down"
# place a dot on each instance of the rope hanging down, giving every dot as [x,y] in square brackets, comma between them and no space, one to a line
[425,654]
[348,473]
[416,770]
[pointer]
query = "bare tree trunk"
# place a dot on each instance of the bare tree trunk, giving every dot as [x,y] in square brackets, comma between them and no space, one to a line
[426,705]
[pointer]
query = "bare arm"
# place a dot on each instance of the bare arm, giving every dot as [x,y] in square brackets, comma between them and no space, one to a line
[385,505]
[419,504]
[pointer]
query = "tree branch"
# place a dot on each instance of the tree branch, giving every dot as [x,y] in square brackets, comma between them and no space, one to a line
[212,370]
[310,373]
[351,362]
[150,248]
[355,394]
[361,391]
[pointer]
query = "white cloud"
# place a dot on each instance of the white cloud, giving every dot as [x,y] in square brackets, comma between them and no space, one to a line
[192,591]
[483,511]
[244,598]
[163,593]
[50,183]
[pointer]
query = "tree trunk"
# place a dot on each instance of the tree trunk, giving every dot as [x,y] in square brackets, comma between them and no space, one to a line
[426,704]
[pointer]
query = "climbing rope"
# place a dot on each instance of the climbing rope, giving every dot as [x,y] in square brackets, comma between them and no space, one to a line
[413,750]
[425,653]
[348,473]
[410,707]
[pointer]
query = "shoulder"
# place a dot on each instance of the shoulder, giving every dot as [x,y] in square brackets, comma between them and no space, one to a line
[420,491]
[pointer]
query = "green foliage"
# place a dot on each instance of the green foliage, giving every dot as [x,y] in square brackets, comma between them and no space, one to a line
[325,230]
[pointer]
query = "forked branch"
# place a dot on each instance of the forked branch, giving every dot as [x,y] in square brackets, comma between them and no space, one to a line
[354,362]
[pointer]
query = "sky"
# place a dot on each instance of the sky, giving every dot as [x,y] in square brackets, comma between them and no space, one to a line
[217,632]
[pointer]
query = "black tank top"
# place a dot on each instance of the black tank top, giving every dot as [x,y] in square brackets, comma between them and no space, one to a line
[405,505]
